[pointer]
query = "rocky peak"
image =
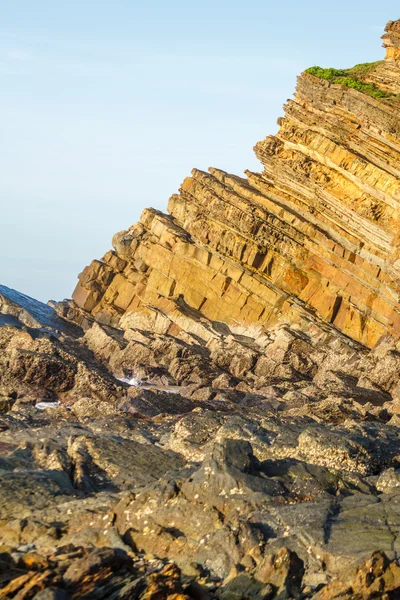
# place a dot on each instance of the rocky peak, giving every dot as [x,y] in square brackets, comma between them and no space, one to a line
[391,40]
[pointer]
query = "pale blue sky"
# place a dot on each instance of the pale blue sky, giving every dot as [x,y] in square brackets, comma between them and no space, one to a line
[105,107]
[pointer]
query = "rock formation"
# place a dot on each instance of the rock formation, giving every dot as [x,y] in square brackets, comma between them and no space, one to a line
[216,414]
[312,237]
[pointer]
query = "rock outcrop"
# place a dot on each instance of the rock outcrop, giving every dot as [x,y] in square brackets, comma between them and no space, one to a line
[314,237]
[236,471]
[216,415]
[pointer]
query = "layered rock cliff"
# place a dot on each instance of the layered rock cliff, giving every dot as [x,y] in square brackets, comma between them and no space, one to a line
[313,237]
[216,415]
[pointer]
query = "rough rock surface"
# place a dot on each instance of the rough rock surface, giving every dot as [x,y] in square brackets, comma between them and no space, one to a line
[313,238]
[234,470]
[217,413]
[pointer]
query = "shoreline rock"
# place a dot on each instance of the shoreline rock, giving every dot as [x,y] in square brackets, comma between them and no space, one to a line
[216,413]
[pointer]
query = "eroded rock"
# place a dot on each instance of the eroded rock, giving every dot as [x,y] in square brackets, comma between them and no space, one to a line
[216,413]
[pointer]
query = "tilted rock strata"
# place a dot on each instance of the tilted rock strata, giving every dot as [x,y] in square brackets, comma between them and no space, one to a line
[260,455]
[313,237]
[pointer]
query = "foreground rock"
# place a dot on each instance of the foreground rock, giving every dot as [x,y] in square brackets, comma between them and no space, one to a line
[83,573]
[245,502]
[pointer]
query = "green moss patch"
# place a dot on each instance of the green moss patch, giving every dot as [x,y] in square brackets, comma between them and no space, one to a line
[352,78]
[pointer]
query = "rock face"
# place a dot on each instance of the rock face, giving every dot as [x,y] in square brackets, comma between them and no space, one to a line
[314,237]
[41,359]
[216,415]
[391,41]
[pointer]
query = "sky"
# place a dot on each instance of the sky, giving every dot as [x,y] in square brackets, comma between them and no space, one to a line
[105,107]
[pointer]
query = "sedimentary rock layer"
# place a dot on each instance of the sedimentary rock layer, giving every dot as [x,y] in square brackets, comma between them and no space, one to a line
[199,424]
[315,236]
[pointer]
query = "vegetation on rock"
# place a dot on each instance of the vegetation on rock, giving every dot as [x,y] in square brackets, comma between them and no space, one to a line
[352,78]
